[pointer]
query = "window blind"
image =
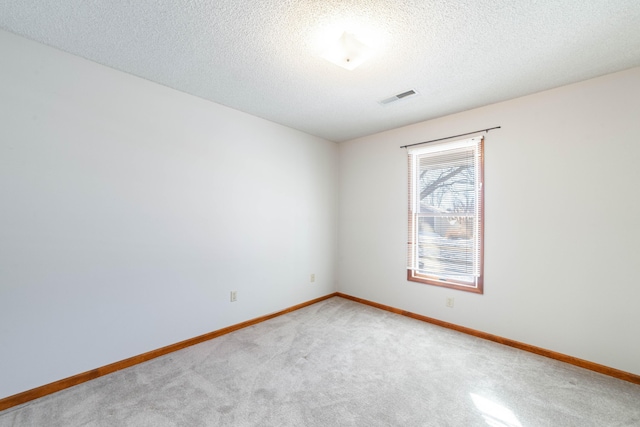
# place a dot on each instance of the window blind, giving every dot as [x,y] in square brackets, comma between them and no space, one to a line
[445,213]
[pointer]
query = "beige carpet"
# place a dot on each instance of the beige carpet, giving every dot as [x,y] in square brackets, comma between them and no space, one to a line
[340,363]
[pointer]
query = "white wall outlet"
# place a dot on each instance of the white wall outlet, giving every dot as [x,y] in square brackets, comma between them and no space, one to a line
[234,296]
[449,302]
[312,278]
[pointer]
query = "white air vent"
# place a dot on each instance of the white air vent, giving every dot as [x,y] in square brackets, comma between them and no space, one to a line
[404,95]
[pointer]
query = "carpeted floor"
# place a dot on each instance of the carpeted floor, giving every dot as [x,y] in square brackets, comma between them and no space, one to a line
[340,363]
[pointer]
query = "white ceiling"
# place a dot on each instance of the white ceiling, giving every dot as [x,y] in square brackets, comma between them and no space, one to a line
[263,57]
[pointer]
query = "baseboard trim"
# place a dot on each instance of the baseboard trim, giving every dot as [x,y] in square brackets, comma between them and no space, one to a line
[612,372]
[26,396]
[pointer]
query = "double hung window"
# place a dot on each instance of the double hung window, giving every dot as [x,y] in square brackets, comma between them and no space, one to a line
[446,214]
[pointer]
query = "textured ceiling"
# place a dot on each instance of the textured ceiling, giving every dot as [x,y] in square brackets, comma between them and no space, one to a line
[264,57]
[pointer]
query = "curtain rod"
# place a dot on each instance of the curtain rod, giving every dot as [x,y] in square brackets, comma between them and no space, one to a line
[449,137]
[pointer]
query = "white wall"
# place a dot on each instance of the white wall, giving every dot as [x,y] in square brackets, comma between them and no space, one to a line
[129,211]
[562,208]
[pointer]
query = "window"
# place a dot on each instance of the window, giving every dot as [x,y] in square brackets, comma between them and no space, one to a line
[446,214]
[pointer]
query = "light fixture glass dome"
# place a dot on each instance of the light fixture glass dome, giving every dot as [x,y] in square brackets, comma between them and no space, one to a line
[348,52]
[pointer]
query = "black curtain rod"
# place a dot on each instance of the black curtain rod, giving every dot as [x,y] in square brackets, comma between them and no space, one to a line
[449,137]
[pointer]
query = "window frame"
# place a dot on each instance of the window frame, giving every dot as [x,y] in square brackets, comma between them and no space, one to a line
[412,274]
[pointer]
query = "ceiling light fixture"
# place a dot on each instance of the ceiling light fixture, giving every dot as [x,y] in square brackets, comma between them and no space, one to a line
[348,52]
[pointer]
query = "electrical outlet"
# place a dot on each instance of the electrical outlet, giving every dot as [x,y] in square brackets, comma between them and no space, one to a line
[449,302]
[312,278]
[234,296]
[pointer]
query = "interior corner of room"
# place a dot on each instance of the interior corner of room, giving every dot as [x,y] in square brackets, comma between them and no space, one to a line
[135,216]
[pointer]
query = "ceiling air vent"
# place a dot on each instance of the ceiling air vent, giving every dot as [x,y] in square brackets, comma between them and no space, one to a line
[398,97]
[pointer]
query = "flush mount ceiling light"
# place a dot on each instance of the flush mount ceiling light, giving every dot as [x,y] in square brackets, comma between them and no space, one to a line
[348,52]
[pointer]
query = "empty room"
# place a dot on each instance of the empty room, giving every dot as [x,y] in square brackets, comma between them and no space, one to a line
[319,213]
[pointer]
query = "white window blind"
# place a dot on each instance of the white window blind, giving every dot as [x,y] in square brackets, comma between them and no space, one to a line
[445,214]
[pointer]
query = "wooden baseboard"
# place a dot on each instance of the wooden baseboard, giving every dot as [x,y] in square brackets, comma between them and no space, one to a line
[26,396]
[616,373]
